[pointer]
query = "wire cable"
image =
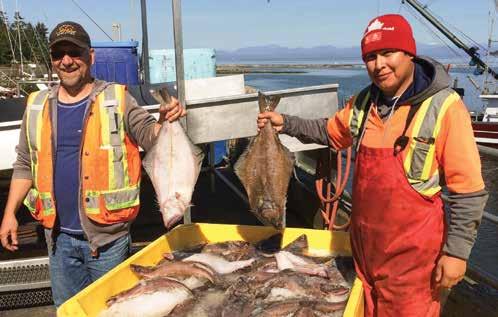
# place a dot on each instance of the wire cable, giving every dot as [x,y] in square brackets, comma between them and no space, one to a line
[94,22]
[434,34]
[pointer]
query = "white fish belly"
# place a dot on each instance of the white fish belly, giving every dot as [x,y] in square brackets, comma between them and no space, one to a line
[157,304]
[219,264]
[183,163]
[173,164]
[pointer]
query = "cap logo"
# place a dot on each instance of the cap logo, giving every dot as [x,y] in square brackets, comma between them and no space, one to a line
[374,37]
[66,29]
[377,25]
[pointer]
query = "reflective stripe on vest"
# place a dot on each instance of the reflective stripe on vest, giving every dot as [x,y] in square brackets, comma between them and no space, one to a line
[420,152]
[112,134]
[356,117]
[39,198]
[34,118]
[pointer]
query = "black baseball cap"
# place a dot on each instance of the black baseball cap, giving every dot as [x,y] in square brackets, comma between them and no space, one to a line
[71,32]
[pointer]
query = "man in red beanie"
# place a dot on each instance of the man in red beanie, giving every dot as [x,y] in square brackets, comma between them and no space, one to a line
[412,135]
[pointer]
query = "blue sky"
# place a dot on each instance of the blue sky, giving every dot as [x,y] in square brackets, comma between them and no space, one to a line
[231,24]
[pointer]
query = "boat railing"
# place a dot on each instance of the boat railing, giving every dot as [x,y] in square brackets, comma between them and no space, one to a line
[477,273]
[490,217]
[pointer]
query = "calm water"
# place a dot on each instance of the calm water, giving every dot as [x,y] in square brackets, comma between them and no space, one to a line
[485,252]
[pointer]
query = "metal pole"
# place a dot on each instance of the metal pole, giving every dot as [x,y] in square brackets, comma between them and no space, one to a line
[488,150]
[477,274]
[180,75]
[211,166]
[145,44]
[178,37]
[231,186]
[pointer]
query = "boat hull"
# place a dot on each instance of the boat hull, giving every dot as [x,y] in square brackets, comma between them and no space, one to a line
[486,133]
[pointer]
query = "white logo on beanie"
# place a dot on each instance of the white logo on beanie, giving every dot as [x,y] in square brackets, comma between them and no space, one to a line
[377,25]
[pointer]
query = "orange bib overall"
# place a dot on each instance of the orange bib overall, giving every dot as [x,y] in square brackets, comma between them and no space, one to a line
[397,237]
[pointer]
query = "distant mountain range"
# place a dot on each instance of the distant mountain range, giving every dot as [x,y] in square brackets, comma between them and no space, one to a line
[326,52]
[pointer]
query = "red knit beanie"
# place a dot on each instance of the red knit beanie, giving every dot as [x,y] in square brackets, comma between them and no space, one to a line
[390,31]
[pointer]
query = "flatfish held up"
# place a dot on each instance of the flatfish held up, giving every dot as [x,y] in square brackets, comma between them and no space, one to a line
[265,169]
[173,165]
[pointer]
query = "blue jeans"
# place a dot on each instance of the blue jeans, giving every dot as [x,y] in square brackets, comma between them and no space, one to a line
[72,266]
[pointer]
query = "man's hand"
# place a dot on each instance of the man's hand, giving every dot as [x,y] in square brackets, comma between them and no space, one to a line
[8,232]
[171,111]
[449,271]
[276,119]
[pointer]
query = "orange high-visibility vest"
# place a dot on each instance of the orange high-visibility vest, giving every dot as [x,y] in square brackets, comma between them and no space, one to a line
[110,165]
[421,147]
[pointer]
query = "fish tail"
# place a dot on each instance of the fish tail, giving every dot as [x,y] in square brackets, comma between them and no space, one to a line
[140,271]
[267,103]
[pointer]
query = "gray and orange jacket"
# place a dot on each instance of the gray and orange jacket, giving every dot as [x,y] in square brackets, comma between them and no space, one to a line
[110,163]
[450,159]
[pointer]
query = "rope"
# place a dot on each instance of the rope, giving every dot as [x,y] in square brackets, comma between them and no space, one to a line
[33,52]
[43,48]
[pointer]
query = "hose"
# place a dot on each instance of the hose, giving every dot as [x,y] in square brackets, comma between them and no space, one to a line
[329,202]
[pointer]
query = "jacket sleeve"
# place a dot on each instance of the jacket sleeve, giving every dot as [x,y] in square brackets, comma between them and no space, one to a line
[465,217]
[466,197]
[333,132]
[306,131]
[22,165]
[139,123]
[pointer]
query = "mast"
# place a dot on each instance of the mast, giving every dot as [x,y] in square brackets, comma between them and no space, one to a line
[17,16]
[145,44]
[471,51]
[5,20]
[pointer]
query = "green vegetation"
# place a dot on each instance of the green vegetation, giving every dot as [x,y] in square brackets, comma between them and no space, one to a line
[33,41]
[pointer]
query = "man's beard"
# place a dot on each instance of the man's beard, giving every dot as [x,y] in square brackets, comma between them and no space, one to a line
[72,81]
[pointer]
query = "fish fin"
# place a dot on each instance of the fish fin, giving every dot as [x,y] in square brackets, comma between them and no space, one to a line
[274,100]
[161,95]
[300,245]
[267,103]
[271,244]
[147,161]
[157,96]
[165,94]
[239,167]
[262,102]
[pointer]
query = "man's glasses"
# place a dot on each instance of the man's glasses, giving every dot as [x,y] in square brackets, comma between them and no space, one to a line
[59,54]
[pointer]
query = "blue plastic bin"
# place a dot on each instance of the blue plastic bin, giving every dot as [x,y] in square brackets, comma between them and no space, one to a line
[116,62]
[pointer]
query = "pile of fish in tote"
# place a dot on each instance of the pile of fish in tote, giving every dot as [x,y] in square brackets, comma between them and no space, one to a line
[236,278]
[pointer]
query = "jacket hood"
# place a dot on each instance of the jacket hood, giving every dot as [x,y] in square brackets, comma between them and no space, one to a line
[440,79]
[98,87]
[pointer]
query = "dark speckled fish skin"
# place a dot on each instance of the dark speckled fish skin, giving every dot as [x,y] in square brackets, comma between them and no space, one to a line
[265,170]
[175,270]
[256,292]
